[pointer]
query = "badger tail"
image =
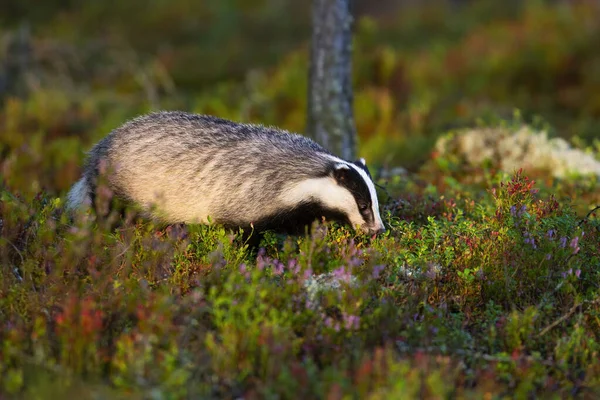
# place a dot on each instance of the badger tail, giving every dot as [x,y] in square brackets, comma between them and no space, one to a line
[79,195]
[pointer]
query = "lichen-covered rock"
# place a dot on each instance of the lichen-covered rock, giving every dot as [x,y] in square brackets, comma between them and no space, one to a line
[336,280]
[525,148]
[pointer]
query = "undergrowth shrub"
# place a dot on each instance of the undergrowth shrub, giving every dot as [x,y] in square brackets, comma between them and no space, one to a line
[485,284]
[460,288]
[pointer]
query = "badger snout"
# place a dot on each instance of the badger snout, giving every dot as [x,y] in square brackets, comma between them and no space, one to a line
[380,230]
[377,230]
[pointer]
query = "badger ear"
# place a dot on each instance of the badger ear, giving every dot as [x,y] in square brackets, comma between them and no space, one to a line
[362,161]
[340,172]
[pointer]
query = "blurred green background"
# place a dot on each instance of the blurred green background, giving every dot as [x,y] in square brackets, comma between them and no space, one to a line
[71,71]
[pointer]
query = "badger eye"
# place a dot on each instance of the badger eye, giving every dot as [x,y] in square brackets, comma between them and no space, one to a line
[362,206]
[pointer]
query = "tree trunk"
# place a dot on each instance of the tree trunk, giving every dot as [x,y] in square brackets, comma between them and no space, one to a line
[330,114]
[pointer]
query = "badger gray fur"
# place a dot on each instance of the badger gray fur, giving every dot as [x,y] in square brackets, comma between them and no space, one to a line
[191,168]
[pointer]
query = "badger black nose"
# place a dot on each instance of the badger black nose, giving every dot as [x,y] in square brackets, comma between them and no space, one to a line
[379,231]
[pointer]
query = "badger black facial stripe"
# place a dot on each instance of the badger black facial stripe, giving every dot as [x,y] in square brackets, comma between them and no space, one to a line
[371,191]
[356,184]
[374,201]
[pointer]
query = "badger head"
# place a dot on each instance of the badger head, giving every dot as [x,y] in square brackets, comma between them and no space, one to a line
[355,196]
[344,192]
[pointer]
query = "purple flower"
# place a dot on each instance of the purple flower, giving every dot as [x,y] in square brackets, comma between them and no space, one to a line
[513,211]
[307,273]
[551,233]
[563,242]
[377,270]
[530,241]
[574,244]
[342,274]
[294,266]
[330,324]
[355,261]
[567,273]
[548,256]
[522,210]
[351,321]
[261,262]
[578,273]
[278,267]
[244,271]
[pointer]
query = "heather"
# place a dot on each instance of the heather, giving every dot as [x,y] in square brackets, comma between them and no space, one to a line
[486,283]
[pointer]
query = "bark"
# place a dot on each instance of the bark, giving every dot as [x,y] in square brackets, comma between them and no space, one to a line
[330,114]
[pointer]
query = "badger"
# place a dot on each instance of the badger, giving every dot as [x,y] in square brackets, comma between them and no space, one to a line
[181,167]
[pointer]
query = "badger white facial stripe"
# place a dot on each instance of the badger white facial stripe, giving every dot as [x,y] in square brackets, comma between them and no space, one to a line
[325,191]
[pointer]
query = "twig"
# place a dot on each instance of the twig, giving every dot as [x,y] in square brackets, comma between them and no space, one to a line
[17,250]
[589,214]
[566,316]
[477,355]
